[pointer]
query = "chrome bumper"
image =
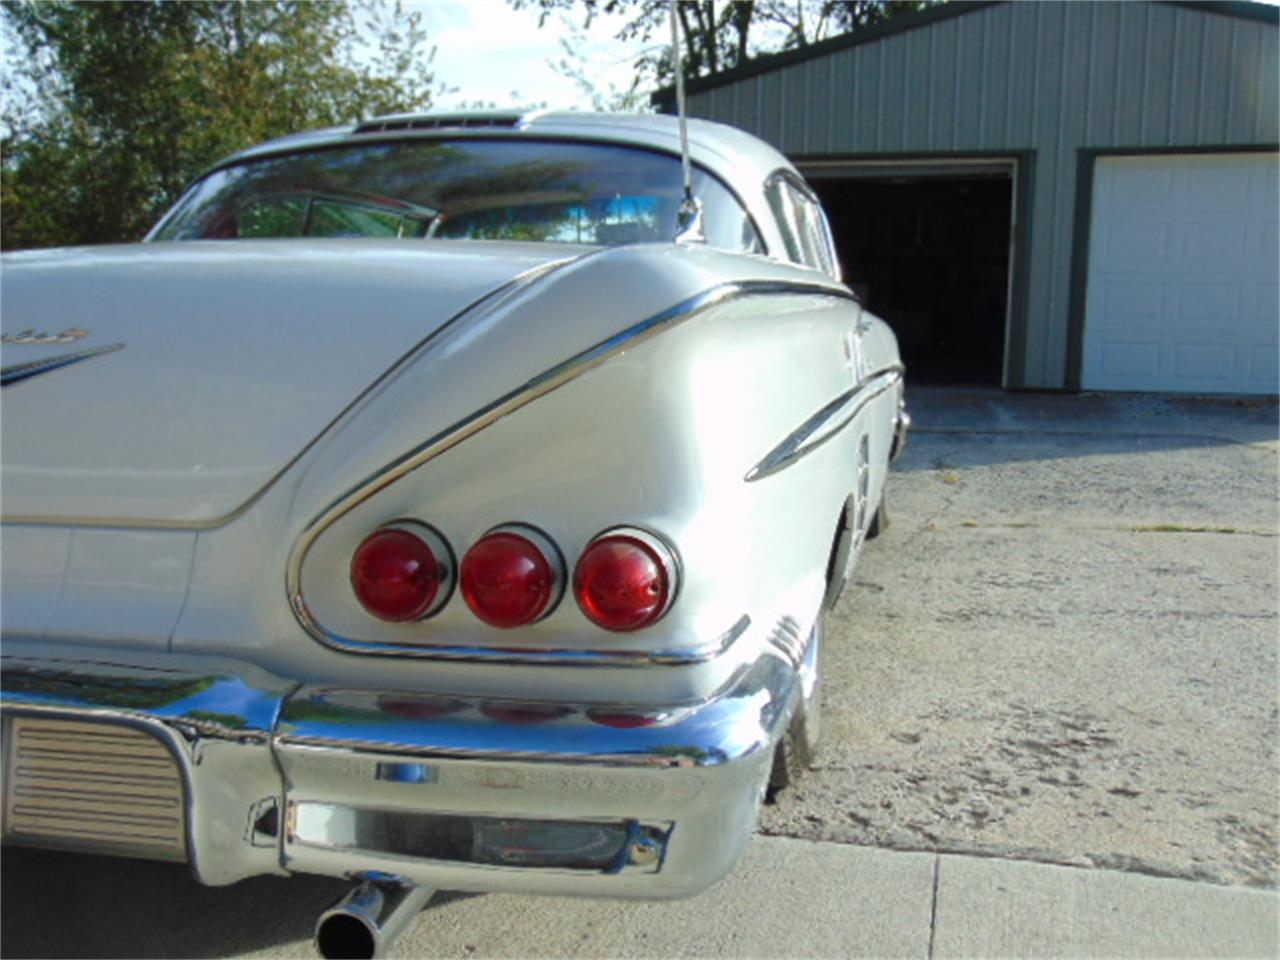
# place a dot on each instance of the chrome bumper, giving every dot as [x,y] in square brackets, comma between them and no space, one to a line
[441,792]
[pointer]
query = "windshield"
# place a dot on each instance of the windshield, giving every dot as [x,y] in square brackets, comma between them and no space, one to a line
[458,189]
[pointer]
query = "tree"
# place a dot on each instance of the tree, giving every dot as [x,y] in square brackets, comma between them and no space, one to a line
[115,106]
[604,94]
[719,35]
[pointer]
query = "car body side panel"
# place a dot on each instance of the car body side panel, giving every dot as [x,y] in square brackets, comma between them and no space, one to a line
[689,411]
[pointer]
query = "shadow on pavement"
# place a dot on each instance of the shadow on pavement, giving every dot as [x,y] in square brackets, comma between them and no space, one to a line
[68,905]
[997,426]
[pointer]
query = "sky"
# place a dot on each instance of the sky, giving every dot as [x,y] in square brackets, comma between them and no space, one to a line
[489,52]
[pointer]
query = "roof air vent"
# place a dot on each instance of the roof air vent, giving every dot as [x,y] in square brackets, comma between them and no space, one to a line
[439,122]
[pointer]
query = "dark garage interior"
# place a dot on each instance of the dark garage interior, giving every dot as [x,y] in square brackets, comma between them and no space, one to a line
[931,256]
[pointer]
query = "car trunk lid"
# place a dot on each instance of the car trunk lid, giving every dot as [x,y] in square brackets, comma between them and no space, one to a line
[167,384]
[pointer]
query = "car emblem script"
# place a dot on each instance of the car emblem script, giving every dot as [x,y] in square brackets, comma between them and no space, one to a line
[39,336]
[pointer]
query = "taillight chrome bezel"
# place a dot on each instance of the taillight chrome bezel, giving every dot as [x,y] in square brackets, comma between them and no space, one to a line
[446,567]
[550,554]
[666,555]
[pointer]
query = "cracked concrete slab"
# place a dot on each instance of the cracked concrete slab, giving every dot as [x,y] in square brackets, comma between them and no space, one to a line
[989,908]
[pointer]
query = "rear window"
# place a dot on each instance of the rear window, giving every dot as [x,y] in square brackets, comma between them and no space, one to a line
[458,189]
[802,225]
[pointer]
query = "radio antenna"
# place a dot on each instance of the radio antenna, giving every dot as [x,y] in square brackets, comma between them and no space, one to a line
[689,226]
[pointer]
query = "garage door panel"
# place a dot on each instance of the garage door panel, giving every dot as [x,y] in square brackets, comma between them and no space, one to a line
[1182,286]
[1264,241]
[1205,361]
[1133,188]
[1136,245]
[1209,246]
[1266,305]
[1215,183]
[1139,359]
[1210,301]
[1136,304]
[1265,365]
[1265,182]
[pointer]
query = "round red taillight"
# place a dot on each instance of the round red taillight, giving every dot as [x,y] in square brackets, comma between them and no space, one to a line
[401,572]
[512,576]
[624,580]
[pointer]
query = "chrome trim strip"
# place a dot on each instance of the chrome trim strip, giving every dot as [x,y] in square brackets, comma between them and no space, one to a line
[561,656]
[900,429]
[487,415]
[789,639]
[16,373]
[825,424]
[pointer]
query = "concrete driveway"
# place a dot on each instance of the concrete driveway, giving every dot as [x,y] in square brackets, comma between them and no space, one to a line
[1065,648]
[1062,652]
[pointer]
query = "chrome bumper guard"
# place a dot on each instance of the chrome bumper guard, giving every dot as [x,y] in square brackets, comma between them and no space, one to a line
[447,793]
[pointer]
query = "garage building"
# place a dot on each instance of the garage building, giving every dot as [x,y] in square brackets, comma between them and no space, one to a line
[1047,195]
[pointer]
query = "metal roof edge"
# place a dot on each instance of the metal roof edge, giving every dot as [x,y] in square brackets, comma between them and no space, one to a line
[664,97]
[1240,9]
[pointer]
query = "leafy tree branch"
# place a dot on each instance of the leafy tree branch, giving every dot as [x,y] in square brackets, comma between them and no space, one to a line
[110,108]
[716,35]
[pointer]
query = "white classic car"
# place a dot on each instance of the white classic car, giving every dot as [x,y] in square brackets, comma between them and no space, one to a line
[467,524]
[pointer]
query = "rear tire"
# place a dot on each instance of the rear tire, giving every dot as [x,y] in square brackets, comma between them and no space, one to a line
[838,560]
[879,520]
[798,749]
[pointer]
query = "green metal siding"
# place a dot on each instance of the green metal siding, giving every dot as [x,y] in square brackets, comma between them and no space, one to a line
[1052,78]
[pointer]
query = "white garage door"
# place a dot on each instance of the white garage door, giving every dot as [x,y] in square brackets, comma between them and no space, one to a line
[1182,293]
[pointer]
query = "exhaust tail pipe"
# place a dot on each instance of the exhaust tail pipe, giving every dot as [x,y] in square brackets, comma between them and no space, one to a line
[365,922]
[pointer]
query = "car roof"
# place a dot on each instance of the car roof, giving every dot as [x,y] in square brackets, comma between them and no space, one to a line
[740,159]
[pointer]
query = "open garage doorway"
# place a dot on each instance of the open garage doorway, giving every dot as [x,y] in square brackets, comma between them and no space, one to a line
[928,249]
